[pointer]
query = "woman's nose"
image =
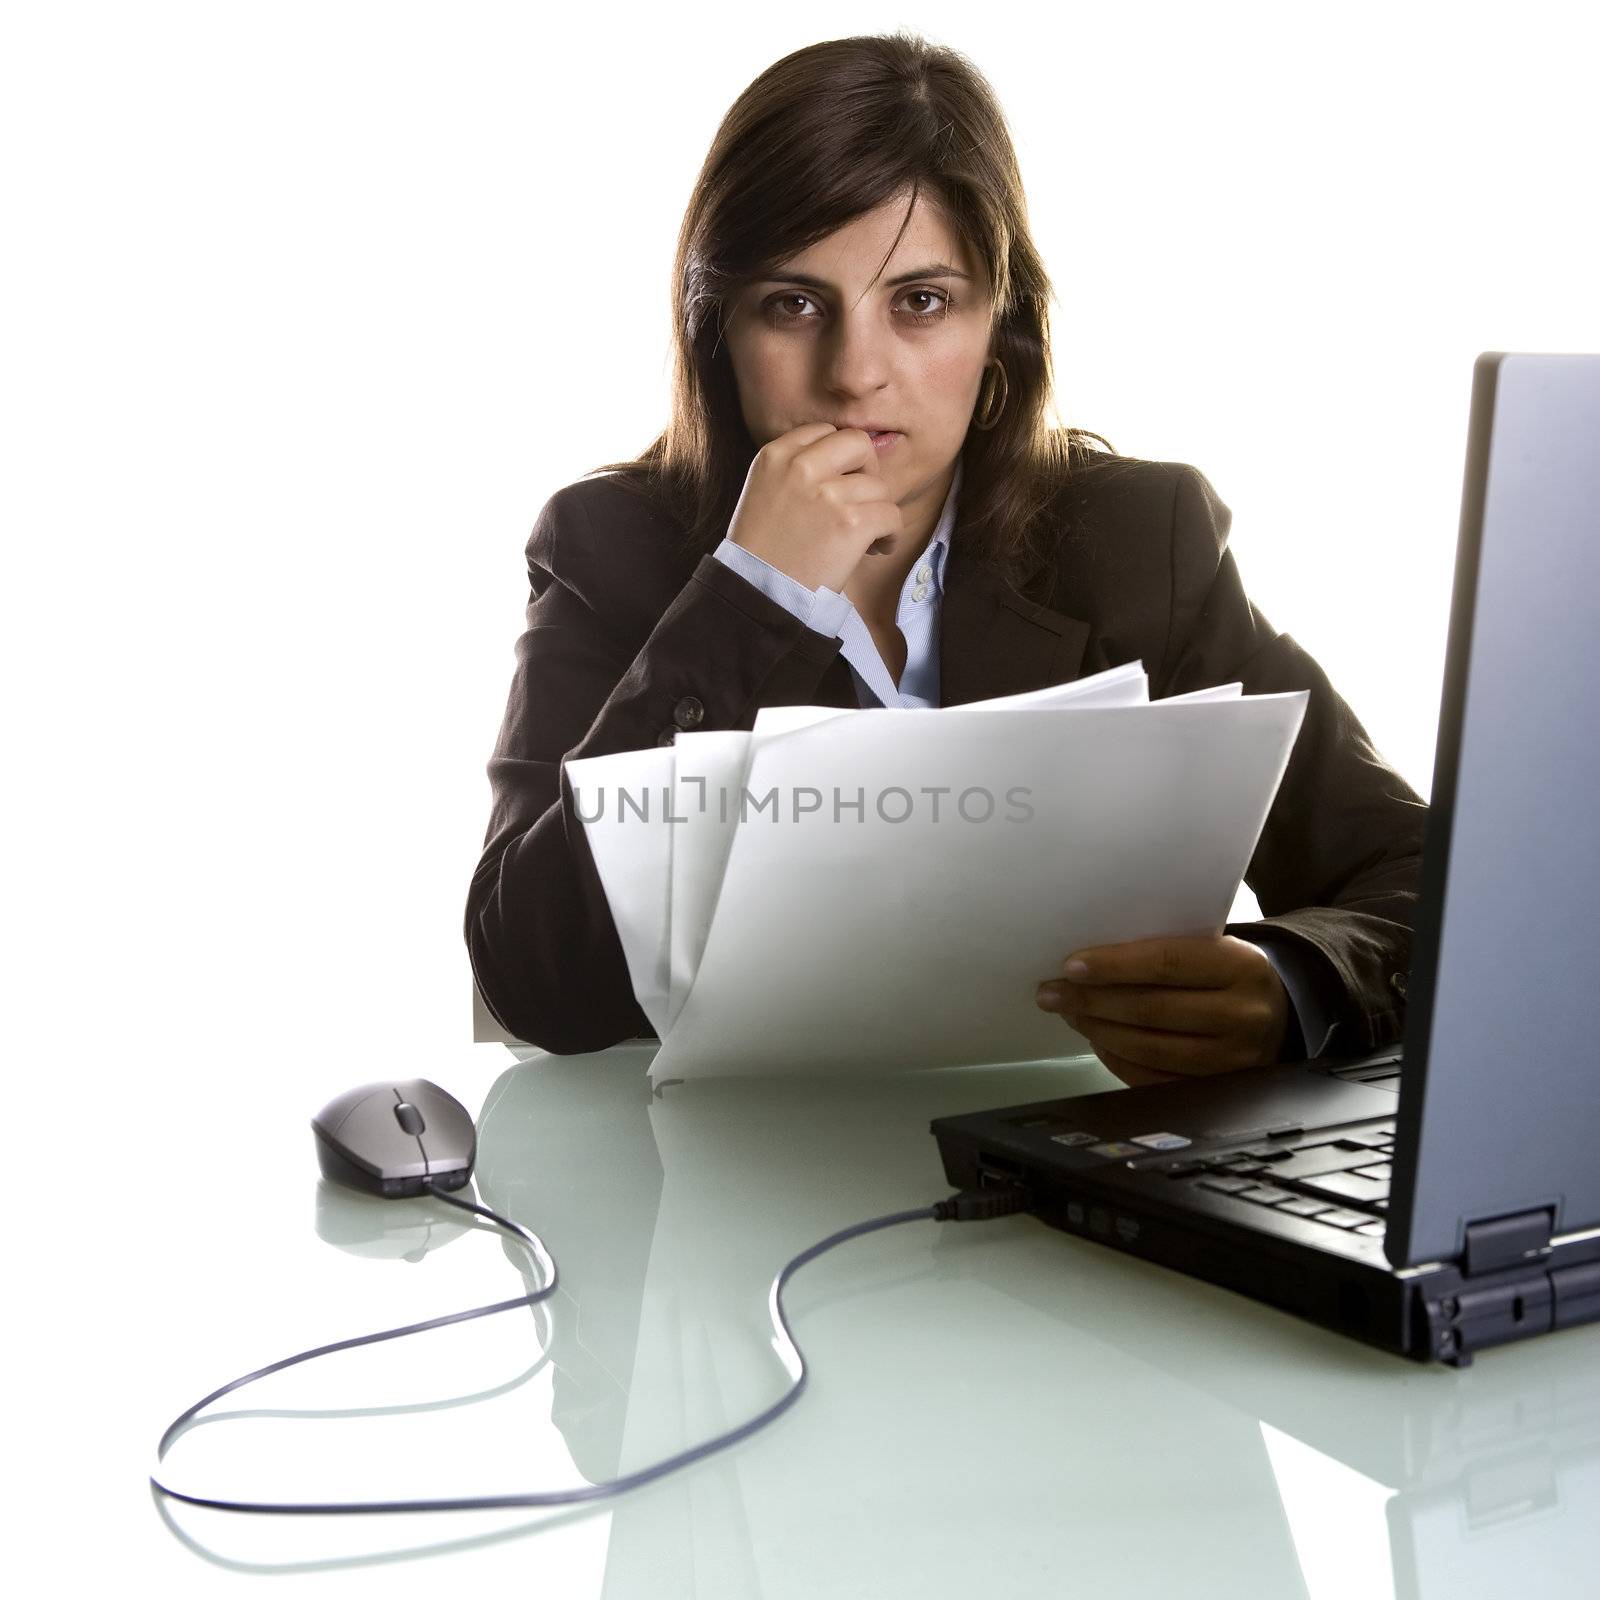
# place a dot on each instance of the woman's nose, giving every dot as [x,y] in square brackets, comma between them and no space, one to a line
[855,353]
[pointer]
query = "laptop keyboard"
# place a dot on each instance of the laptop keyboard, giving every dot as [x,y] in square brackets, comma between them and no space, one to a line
[1343,1181]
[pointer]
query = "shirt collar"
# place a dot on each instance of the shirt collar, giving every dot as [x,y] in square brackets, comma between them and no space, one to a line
[939,545]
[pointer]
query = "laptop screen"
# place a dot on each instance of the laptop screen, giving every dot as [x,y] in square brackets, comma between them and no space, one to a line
[1500,1101]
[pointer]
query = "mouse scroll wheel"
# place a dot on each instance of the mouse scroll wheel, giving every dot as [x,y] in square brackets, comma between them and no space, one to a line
[409,1118]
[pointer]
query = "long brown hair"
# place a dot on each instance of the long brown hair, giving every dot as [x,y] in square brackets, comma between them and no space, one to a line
[821,137]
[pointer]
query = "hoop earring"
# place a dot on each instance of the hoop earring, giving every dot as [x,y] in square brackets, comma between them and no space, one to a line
[1005,389]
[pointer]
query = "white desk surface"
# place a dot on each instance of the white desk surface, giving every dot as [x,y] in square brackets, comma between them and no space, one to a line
[993,1408]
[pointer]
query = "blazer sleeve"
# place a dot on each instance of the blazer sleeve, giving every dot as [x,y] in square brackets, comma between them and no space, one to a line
[539,932]
[1337,865]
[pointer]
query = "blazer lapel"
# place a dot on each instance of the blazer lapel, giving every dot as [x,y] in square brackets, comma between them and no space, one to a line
[994,641]
[836,687]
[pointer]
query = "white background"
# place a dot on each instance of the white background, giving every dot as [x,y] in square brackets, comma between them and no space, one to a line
[309,307]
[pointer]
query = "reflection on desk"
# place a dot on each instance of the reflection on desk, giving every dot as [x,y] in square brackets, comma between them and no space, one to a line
[999,1404]
[994,1407]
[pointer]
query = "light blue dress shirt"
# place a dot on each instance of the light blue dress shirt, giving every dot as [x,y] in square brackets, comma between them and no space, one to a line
[834,616]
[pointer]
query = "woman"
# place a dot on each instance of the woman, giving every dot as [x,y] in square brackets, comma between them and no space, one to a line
[857,502]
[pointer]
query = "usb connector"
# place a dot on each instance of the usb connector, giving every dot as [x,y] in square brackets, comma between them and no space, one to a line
[980,1205]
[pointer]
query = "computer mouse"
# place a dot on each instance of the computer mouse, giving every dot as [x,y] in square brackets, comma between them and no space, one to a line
[392,1137]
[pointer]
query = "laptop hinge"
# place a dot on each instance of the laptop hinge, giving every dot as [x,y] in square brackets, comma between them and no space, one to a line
[1499,1242]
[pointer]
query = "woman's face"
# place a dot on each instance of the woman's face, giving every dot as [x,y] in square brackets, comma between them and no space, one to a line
[812,344]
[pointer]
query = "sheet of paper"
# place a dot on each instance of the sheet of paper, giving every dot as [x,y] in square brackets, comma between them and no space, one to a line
[844,888]
[861,923]
[1222,691]
[790,719]
[710,775]
[633,856]
[1127,685]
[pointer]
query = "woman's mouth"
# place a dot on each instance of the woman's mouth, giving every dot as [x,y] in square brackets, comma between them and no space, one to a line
[883,441]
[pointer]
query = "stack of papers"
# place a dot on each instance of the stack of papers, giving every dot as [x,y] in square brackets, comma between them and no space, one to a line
[875,889]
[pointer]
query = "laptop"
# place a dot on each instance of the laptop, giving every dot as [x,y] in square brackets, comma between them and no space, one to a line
[1441,1196]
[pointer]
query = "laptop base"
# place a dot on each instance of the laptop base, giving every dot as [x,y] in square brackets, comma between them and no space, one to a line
[1254,1181]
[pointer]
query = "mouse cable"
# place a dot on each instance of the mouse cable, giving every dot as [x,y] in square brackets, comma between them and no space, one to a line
[970,1205]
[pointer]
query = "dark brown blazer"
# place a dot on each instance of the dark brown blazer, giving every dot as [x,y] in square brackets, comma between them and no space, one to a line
[627,641]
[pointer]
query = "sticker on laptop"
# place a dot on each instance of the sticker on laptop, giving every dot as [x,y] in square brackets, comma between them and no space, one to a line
[1073,1138]
[1161,1141]
[1117,1148]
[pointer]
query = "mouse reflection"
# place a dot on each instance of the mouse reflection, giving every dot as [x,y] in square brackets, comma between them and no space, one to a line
[385,1230]
[379,1229]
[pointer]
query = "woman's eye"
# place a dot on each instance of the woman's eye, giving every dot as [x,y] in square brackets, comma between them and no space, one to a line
[785,300]
[777,307]
[938,295]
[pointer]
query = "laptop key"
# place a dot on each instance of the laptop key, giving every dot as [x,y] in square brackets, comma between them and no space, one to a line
[1318,1159]
[1299,1206]
[1380,1173]
[1342,1219]
[1265,1194]
[1225,1185]
[1373,1230]
[1347,1186]
[1370,1141]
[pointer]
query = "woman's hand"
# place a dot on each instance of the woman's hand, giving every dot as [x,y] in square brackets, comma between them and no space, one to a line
[814,504]
[1159,1009]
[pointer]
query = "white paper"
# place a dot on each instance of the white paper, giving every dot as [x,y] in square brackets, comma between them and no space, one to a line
[711,769]
[886,888]
[634,861]
[1127,685]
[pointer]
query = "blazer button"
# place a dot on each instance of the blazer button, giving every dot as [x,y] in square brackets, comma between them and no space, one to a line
[688,713]
[667,736]
[1397,982]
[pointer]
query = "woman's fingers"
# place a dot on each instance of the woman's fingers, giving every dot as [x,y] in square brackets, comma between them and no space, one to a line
[1132,1073]
[1207,1011]
[1178,1053]
[1186,1006]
